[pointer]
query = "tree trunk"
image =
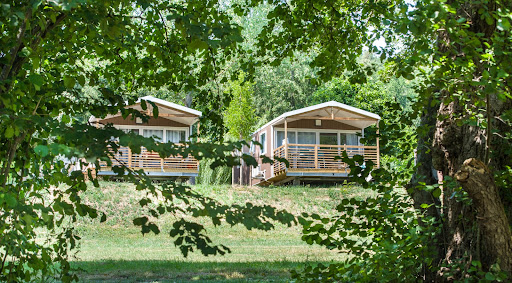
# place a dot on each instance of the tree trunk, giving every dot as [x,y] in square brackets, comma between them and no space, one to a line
[466,239]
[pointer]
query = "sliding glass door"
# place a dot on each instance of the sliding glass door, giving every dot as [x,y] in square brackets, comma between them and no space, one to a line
[158,135]
[329,138]
[176,136]
[316,138]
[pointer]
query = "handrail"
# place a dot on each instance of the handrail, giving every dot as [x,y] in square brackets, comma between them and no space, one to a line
[282,146]
[328,145]
[322,156]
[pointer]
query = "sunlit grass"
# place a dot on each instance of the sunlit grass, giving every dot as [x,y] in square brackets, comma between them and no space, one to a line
[116,251]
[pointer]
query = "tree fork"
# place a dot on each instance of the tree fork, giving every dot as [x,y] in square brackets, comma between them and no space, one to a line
[495,236]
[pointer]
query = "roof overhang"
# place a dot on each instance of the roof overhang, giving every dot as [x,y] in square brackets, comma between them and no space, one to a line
[331,110]
[167,110]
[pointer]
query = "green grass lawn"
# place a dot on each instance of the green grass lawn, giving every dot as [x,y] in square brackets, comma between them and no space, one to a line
[116,251]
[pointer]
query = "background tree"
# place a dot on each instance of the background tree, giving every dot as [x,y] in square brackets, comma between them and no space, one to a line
[240,117]
[283,87]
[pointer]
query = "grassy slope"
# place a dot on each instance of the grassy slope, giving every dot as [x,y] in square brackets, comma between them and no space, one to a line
[116,251]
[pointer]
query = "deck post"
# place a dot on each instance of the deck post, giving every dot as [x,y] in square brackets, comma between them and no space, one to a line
[378,147]
[345,150]
[316,156]
[285,138]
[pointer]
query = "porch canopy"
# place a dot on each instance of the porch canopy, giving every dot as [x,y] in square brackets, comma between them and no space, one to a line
[167,110]
[333,111]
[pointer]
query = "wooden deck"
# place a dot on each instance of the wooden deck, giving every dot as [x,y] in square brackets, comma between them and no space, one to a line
[152,163]
[321,159]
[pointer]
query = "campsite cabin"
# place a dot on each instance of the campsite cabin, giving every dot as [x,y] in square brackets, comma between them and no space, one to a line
[310,138]
[174,124]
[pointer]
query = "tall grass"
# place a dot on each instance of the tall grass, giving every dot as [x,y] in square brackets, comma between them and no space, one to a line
[208,176]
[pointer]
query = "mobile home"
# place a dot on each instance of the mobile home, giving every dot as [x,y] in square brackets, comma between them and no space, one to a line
[310,138]
[173,124]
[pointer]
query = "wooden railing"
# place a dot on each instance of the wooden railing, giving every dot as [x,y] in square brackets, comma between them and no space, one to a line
[321,157]
[151,161]
[279,152]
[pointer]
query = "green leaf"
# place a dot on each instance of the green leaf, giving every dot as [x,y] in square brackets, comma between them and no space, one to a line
[503,24]
[41,150]
[9,132]
[143,202]
[69,82]
[489,276]
[198,44]
[25,52]
[66,119]
[81,80]
[154,228]
[436,193]
[10,200]
[140,221]
[103,218]
[36,80]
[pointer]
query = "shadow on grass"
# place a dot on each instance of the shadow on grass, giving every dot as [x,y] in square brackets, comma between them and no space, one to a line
[183,271]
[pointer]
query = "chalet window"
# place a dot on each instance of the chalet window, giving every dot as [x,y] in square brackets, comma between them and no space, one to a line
[176,136]
[158,135]
[329,138]
[280,138]
[263,141]
[135,131]
[306,138]
[349,139]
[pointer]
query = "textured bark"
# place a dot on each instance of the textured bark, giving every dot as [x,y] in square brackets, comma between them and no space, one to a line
[494,232]
[453,144]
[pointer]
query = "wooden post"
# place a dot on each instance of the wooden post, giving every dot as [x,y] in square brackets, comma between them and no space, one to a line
[378,147]
[345,149]
[316,156]
[198,129]
[285,138]
[129,157]
[242,162]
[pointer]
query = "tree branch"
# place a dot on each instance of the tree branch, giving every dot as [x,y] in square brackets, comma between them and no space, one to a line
[19,45]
